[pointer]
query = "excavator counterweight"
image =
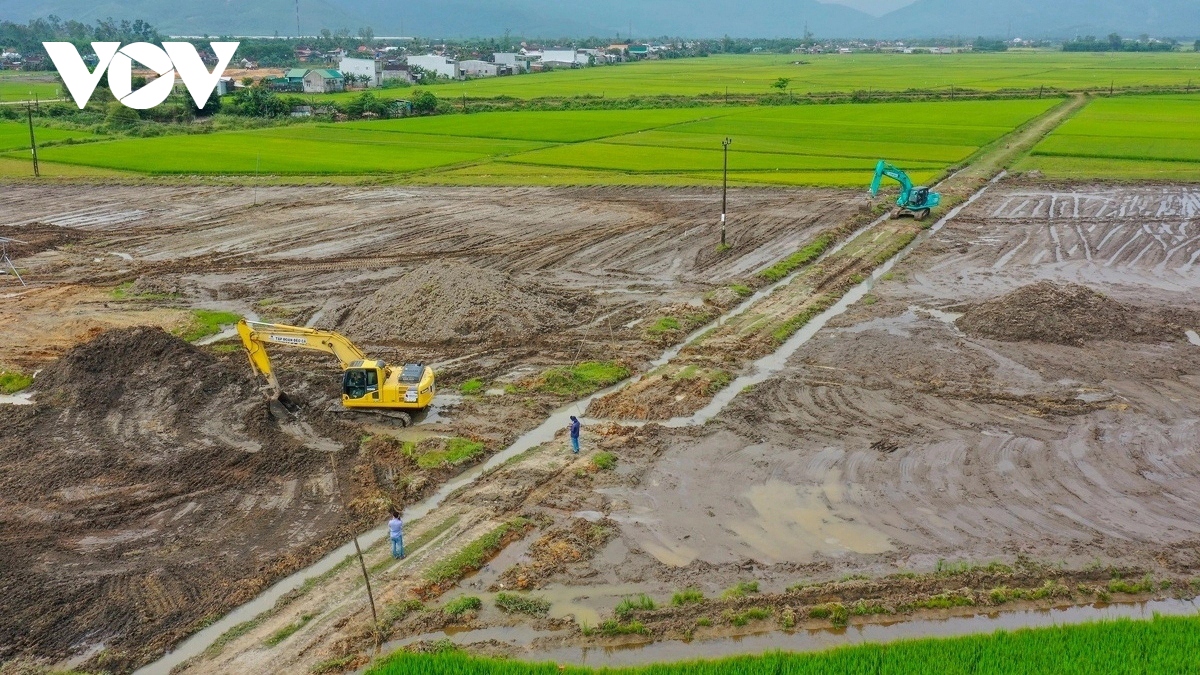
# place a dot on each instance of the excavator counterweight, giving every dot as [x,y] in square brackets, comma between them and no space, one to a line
[367,384]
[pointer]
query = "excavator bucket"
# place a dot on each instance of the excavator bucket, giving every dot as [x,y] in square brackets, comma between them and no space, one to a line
[282,407]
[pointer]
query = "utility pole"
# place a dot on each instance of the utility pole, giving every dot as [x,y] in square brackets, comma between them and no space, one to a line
[724,187]
[32,141]
[257,159]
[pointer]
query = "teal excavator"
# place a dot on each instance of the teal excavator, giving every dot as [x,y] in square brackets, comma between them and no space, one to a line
[913,201]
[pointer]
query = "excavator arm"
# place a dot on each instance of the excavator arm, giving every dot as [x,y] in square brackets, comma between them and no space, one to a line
[256,336]
[884,169]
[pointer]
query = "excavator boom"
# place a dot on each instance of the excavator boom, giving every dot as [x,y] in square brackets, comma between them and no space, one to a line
[255,336]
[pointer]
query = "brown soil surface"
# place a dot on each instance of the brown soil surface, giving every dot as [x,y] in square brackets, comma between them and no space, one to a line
[143,456]
[451,301]
[1065,314]
[892,438]
[170,496]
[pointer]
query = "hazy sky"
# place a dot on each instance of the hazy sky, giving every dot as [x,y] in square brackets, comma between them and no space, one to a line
[875,7]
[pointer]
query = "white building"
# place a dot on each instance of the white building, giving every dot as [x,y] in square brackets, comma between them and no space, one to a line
[517,62]
[475,68]
[559,58]
[433,63]
[370,68]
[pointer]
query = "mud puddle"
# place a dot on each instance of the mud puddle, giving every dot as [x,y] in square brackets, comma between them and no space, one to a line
[828,638]
[16,399]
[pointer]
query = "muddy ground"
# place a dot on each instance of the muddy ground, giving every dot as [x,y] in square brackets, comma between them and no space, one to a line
[894,438]
[901,464]
[146,492]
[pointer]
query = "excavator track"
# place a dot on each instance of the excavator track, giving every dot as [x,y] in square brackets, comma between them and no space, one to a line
[399,417]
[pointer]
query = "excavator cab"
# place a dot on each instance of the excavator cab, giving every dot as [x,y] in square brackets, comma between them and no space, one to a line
[919,197]
[359,382]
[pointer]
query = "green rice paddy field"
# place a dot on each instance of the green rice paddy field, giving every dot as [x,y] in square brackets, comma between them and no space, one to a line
[19,86]
[755,73]
[1125,138]
[792,145]
[1124,647]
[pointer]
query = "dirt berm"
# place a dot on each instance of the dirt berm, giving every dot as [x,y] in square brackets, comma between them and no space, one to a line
[146,491]
[1068,314]
[450,301]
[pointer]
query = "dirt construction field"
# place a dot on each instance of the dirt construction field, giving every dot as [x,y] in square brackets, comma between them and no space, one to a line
[1010,414]
[1027,382]
[146,492]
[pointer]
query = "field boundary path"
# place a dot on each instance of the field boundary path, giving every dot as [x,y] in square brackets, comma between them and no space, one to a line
[709,363]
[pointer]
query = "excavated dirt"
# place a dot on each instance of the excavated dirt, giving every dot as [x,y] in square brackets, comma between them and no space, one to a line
[145,490]
[171,496]
[451,301]
[1065,314]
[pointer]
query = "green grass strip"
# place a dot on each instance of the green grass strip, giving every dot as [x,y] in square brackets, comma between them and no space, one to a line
[1124,646]
[794,261]
[474,555]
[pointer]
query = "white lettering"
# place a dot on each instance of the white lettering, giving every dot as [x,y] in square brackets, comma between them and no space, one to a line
[165,61]
[74,72]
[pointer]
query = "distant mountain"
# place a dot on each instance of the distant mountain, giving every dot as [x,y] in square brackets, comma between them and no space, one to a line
[465,18]
[680,18]
[1043,18]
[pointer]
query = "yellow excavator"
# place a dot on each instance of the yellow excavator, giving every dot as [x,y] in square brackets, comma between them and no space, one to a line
[368,385]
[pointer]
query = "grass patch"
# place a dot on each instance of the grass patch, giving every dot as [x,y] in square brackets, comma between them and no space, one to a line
[475,554]
[11,381]
[206,322]
[798,259]
[1146,585]
[472,386]
[941,601]
[513,603]
[836,612]
[604,461]
[1163,644]
[752,614]
[664,324]
[741,590]
[788,328]
[336,664]
[395,612]
[287,631]
[612,628]
[462,605]
[687,596]
[582,379]
[456,452]
[234,633]
[742,290]
[628,606]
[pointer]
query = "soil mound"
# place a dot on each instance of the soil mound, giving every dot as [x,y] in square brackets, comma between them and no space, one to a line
[121,365]
[1065,314]
[450,301]
[146,475]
